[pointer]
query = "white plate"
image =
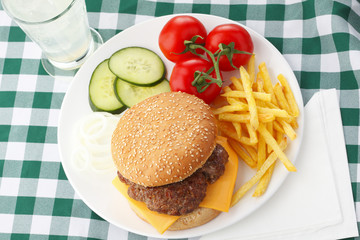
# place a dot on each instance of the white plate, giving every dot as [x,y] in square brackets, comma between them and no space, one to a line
[97,191]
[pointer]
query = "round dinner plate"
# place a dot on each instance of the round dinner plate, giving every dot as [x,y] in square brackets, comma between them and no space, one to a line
[96,189]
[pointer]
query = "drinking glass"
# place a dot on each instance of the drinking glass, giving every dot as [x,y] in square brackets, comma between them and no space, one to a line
[60,28]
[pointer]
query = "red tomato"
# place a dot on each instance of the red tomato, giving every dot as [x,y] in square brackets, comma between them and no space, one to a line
[175,32]
[183,75]
[226,34]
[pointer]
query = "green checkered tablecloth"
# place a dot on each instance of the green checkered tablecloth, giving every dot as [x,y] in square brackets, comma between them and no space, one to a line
[320,40]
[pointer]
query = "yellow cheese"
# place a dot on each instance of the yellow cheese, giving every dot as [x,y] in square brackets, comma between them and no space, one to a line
[161,222]
[218,194]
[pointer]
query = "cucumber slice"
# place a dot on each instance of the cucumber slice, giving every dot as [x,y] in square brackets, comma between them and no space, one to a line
[130,94]
[137,65]
[101,90]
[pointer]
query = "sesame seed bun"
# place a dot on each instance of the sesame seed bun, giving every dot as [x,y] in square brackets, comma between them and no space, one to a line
[163,139]
[196,218]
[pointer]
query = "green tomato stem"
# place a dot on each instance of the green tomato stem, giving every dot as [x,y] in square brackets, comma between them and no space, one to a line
[200,80]
[218,80]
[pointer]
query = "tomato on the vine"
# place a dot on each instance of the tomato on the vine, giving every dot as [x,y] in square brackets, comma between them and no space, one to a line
[175,32]
[182,77]
[227,33]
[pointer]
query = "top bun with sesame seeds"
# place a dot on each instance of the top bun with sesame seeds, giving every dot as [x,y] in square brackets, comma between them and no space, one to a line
[163,139]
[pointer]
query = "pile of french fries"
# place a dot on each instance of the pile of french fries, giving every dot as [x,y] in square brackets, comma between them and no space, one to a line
[258,118]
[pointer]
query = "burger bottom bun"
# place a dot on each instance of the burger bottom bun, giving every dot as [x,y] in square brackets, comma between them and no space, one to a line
[196,218]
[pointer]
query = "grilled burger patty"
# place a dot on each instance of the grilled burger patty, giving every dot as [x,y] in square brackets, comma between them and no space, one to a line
[185,196]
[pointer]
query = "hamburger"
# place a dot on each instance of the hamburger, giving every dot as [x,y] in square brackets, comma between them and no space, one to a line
[165,152]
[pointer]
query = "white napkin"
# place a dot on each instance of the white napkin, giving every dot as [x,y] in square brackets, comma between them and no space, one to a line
[316,202]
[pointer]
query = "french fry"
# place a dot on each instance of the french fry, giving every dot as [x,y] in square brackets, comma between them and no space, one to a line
[288,129]
[231,100]
[279,94]
[237,83]
[266,97]
[269,139]
[274,111]
[271,105]
[251,68]
[245,117]
[227,89]
[289,118]
[259,79]
[252,133]
[234,103]
[254,87]
[264,182]
[279,136]
[268,87]
[242,154]
[238,106]
[254,120]
[270,128]
[277,126]
[261,152]
[228,130]
[231,117]
[294,124]
[249,184]
[289,95]
[251,150]
[237,127]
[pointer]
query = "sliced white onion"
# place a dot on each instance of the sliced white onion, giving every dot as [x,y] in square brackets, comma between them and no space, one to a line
[102,165]
[80,158]
[96,148]
[94,136]
[92,126]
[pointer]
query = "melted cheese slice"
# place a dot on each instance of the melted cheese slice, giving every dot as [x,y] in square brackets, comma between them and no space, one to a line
[161,222]
[218,194]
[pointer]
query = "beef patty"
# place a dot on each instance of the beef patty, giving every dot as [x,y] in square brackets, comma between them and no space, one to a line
[185,196]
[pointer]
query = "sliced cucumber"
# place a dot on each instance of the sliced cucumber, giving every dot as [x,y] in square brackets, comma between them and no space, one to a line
[101,90]
[130,94]
[137,65]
